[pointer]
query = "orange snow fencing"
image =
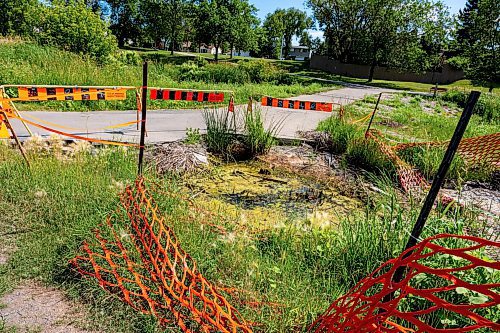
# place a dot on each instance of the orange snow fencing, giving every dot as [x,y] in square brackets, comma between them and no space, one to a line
[479,150]
[144,265]
[431,298]
[411,180]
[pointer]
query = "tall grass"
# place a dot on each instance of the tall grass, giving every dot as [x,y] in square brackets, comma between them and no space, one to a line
[256,137]
[366,153]
[220,134]
[56,204]
[341,133]
[428,159]
[487,107]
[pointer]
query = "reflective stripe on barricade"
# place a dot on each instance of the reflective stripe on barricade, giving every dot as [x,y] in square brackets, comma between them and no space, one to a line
[186,95]
[297,105]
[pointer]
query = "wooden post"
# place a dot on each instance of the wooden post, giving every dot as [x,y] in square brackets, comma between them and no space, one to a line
[373,115]
[143,119]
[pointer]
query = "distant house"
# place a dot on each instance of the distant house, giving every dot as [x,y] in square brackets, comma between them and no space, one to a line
[300,53]
[209,49]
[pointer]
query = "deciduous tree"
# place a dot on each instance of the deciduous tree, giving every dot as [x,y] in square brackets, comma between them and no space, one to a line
[483,46]
[404,34]
[74,27]
[282,25]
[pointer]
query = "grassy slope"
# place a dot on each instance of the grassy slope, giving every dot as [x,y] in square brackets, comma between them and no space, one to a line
[304,271]
[302,68]
[26,63]
[403,119]
[465,85]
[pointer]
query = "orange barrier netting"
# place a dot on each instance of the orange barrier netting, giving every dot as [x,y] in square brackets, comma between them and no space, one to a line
[411,180]
[477,150]
[147,268]
[430,298]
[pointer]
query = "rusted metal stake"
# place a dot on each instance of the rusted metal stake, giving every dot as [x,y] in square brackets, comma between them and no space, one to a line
[373,115]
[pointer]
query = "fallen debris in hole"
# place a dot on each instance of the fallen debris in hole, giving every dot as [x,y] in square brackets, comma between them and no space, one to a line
[321,140]
[32,307]
[177,157]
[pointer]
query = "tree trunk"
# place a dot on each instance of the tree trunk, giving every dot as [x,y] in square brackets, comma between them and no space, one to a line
[372,69]
[491,89]
[216,52]
[231,51]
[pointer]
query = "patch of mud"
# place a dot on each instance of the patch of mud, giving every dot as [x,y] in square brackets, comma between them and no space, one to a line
[263,195]
[390,123]
[433,107]
[5,252]
[32,307]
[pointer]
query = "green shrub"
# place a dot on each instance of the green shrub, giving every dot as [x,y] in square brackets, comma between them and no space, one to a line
[128,58]
[257,138]
[366,154]
[223,73]
[458,62]
[220,136]
[74,27]
[341,133]
[190,70]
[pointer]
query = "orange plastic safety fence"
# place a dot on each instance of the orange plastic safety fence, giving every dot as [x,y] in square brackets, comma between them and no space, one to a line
[435,295]
[411,180]
[143,263]
[479,150]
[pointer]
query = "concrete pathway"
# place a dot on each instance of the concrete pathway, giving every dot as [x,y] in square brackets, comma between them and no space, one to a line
[171,125]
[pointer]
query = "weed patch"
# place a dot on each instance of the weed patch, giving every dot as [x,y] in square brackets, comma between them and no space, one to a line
[220,134]
[428,159]
[366,153]
[257,138]
[341,133]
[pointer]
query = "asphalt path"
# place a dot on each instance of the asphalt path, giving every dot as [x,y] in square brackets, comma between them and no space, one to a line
[171,125]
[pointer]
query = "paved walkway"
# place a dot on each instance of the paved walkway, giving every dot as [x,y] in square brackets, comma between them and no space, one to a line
[171,125]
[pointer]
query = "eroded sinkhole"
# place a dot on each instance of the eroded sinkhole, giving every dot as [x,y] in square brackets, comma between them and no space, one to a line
[264,192]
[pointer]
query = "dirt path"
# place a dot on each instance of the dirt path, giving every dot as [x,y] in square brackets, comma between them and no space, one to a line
[32,307]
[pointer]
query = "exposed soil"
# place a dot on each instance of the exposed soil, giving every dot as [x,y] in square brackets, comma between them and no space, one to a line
[484,200]
[33,307]
[5,252]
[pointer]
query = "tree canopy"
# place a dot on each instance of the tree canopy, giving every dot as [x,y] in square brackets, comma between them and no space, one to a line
[73,26]
[404,34]
[479,33]
[279,29]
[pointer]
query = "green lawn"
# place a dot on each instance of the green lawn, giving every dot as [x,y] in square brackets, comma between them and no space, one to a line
[406,118]
[465,85]
[27,63]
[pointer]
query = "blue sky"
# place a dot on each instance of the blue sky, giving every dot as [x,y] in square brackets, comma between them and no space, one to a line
[267,6]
